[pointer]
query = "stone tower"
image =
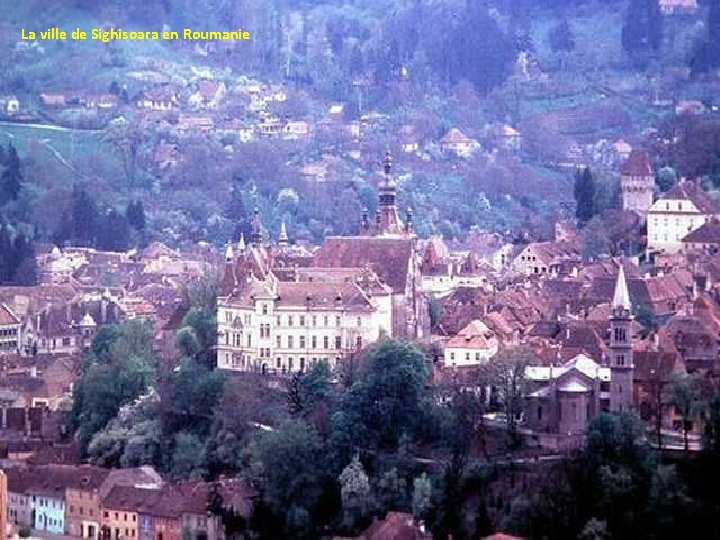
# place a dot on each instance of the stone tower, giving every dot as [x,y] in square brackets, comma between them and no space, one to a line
[621,354]
[637,182]
[388,221]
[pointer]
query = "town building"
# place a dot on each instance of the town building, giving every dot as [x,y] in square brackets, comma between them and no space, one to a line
[545,257]
[621,353]
[9,331]
[457,143]
[637,183]
[277,315]
[683,209]
[678,7]
[474,345]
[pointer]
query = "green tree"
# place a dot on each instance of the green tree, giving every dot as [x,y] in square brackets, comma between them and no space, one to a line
[188,457]
[507,372]
[421,496]
[584,195]
[388,399]
[354,492]
[11,179]
[289,466]
[643,29]
[561,37]
[390,492]
[666,178]
[684,394]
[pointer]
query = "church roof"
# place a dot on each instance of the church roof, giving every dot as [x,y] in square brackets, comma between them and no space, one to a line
[388,256]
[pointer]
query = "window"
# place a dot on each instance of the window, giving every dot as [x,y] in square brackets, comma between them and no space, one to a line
[338,342]
[337,320]
[290,342]
[302,342]
[325,320]
[302,364]
[264,309]
[359,321]
[302,320]
[314,320]
[358,342]
[290,363]
[290,320]
[326,342]
[249,341]
[313,342]
[452,356]
[278,362]
[278,342]
[277,320]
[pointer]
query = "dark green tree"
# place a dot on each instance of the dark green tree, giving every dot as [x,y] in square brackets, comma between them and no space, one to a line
[584,195]
[643,29]
[561,37]
[11,179]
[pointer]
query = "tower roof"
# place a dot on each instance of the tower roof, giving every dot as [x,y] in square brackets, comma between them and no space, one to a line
[637,164]
[621,298]
[283,236]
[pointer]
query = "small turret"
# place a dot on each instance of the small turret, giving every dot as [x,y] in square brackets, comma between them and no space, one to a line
[229,254]
[241,244]
[256,238]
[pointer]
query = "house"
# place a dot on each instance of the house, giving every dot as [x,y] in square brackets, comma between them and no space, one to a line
[208,94]
[678,7]
[545,257]
[474,345]
[102,102]
[706,238]
[689,106]
[159,98]
[637,182]
[271,127]
[9,331]
[395,526]
[9,104]
[683,209]
[622,149]
[456,142]
[504,136]
[296,130]
[166,156]
[203,124]
[53,99]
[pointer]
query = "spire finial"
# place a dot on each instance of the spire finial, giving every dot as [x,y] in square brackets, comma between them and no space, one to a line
[388,162]
[241,244]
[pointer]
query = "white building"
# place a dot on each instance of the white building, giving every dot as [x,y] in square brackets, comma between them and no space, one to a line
[683,209]
[474,345]
[287,326]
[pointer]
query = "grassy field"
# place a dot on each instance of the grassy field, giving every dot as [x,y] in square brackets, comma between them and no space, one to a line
[70,143]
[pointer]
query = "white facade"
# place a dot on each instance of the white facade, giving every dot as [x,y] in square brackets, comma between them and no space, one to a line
[670,220]
[269,334]
[474,345]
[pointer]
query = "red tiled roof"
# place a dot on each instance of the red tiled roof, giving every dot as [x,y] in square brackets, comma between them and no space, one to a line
[7,317]
[637,164]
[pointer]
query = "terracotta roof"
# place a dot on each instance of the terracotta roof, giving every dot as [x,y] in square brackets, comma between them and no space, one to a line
[7,317]
[637,164]
[474,336]
[53,480]
[395,526]
[708,233]
[455,136]
[388,257]
[690,190]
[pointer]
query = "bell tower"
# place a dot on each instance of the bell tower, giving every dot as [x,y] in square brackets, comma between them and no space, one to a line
[621,353]
[637,182]
[388,221]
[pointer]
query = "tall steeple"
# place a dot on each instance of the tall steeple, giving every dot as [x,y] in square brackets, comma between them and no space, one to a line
[241,243]
[387,216]
[621,353]
[283,239]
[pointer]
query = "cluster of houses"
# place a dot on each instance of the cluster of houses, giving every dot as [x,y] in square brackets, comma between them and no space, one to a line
[82,501]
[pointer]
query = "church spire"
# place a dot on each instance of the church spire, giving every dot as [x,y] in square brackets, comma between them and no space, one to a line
[621,298]
[241,243]
[388,220]
[283,239]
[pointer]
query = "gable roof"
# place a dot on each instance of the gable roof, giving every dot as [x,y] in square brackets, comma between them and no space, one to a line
[708,233]
[7,317]
[389,257]
[691,191]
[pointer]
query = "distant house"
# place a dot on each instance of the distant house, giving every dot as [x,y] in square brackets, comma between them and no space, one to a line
[208,95]
[681,210]
[203,124]
[504,136]
[296,130]
[678,7]
[100,101]
[244,131]
[314,172]
[408,139]
[166,156]
[456,142]
[160,98]
[690,106]
[270,127]
[706,238]
[545,257]
[9,104]
[53,99]
[622,149]
[474,345]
